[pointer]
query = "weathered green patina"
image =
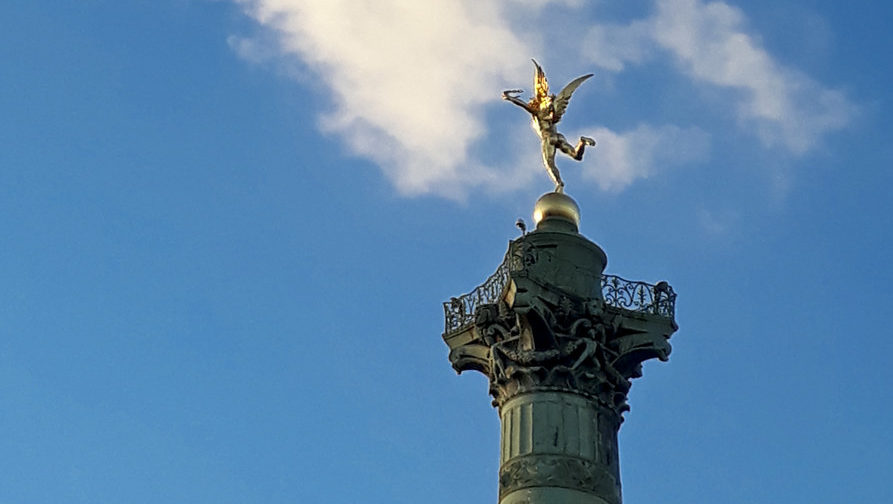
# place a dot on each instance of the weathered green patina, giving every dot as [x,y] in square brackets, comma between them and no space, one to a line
[559,342]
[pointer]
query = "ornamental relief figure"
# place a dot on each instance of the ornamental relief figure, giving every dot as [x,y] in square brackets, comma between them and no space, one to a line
[551,347]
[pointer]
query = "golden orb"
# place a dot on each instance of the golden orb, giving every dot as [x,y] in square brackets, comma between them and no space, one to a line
[556,205]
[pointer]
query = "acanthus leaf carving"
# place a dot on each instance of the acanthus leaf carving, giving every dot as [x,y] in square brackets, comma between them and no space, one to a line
[546,337]
[555,346]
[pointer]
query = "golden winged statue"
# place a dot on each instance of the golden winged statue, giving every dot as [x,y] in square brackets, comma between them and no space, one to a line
[546,110]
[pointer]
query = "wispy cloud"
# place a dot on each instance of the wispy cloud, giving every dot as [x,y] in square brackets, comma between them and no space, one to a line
[407,79]
[716,223]
[626,156]
[709,43]
[408,83]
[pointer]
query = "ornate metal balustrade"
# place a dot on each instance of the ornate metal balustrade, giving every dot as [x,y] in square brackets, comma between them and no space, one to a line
[639,297]
[459,312]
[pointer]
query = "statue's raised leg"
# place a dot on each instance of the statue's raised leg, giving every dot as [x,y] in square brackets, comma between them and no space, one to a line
[575,152]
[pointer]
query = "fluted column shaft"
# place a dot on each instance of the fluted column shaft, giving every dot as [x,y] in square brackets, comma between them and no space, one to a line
[557,448]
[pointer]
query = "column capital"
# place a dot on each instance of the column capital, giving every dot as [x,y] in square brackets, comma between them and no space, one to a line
[549,319]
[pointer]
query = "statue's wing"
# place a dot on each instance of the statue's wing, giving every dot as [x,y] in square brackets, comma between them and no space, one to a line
[564,96]
[540,84]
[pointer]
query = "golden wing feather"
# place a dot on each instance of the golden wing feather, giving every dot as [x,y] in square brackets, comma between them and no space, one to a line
[540,84]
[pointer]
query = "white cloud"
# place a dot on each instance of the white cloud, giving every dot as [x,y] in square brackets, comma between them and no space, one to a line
[624,157]
[613,46]
[407,83]
[709,43]
[407,79]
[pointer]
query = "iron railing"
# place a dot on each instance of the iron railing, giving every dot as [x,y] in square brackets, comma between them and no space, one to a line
[639,297]
[459,312]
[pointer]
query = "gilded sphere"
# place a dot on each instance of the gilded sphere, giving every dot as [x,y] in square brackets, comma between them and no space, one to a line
[557,205]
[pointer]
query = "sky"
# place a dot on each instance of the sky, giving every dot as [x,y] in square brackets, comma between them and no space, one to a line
[228,227]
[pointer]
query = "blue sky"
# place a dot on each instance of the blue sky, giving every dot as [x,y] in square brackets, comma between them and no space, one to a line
[228,227]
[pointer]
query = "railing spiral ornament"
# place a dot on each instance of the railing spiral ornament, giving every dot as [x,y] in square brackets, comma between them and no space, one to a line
[659,299]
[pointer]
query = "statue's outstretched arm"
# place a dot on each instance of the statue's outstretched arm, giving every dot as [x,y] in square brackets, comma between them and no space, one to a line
[511,96]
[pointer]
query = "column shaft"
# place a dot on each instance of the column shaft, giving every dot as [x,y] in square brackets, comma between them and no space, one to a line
[557,447]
